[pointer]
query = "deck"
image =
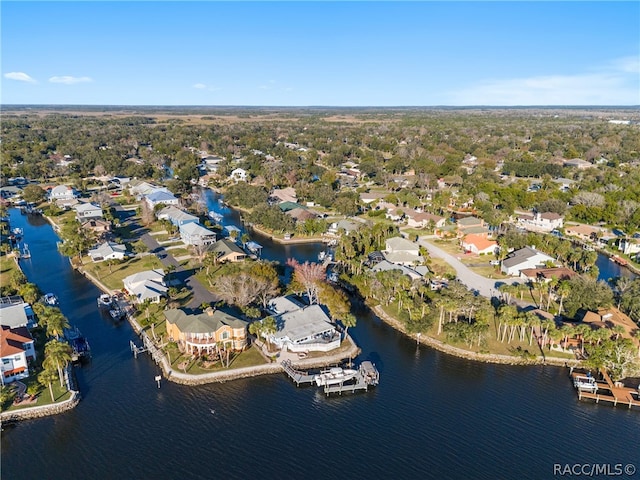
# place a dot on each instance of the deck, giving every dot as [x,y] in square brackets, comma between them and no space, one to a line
[617,394]
[297,376]
[366,377]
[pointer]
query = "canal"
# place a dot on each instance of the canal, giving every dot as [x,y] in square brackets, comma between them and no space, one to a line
[432,416]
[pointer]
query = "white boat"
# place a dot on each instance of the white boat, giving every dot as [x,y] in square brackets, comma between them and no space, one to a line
[216,217]
[321,256]
[585,383]
[50,299]
[105,300]
[334,376]
[17,231]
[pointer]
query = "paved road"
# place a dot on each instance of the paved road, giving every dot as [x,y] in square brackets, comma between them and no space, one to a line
[200,293]
[487,287]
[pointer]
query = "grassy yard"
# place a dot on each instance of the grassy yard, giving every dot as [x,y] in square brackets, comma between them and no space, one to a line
[185,363]
[7,267]
[113,279]
[42,394]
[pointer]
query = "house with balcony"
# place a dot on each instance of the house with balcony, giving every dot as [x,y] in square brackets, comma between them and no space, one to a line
[16,352]
[207,332]
[228,251]
[302,328]
[62,192]
[540,222]
[195,234]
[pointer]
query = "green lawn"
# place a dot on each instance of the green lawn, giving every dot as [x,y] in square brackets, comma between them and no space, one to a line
[113,279]
[7,267]
[248,358]
[43,394]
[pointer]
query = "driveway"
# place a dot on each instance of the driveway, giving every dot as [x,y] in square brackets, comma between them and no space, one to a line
[486,287]
[200,293]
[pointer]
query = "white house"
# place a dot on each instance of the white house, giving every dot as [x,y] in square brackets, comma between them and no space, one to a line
[15,312]
[62,192]
[543,222]
[108,251]
[239,175]
[629,246]
[139,188]
[146,285]
[413,273]
[401,251]
[160,197]
[195,234]
[303,328]
[176,216]
[87,210]
[17,350]
[423,219]
[527,257]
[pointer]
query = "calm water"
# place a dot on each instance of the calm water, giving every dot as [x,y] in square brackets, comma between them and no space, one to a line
[432,416]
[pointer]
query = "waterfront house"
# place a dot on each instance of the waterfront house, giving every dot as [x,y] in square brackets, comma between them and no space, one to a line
[86,211]
[176,216]
[160,197]
[195,234]
[139,188]
[146,285]
[540,222]
[584,232]
[402,252]
[206,332]
[302,328]
[17,350]
[525,258]
[610,318]
[228,251]
[97,225]
[416,273]
[62,192]
[344,226]
[15,313]
[108,251]
[629,246]
[478,244]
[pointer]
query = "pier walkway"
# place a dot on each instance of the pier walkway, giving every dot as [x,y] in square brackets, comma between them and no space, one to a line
[619,394]
[297,376]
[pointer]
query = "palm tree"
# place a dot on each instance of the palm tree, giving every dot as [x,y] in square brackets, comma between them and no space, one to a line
[46,378]
[57,355]
[55,322]
[563,289]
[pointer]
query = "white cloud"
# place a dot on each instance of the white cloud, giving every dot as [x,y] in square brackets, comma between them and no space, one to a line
[204,86]
[20,76]
[614,84]
[69,80]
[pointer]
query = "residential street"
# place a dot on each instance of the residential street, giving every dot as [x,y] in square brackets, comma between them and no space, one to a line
[486,287]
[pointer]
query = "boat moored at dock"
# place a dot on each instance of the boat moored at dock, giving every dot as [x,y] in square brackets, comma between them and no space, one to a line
[50,299]
[334,376]
[105,301]
[80,349]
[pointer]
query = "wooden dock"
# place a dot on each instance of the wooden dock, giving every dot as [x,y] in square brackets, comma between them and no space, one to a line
[368,376]
[616,394]
[298,376]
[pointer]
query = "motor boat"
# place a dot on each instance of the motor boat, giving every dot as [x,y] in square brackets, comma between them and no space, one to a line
[585,383]
[105,301]
[50,299]
[334,376]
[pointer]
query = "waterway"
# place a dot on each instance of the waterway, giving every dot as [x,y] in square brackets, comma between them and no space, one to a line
[432,416]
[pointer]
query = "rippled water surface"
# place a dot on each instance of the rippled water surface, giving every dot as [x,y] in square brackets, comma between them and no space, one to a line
[432,416]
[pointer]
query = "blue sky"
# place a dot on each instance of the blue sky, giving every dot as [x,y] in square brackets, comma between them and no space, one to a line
[321,53]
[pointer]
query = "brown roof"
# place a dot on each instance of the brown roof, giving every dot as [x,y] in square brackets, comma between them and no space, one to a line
[11,340]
